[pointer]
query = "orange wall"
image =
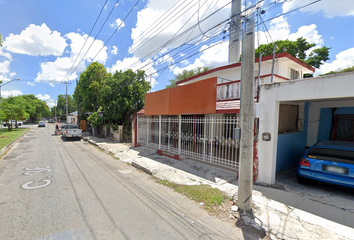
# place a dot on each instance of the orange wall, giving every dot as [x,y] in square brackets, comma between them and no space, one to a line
[157,103]
[195,98]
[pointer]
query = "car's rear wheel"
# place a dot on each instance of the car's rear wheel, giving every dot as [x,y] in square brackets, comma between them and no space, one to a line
[302,180]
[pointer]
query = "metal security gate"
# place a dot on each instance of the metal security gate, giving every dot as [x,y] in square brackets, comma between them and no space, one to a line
[209,139]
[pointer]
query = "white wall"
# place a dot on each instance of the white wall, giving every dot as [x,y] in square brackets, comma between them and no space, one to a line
[321,92]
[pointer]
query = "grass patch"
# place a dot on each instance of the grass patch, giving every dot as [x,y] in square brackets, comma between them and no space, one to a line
[8,136]
[211,197]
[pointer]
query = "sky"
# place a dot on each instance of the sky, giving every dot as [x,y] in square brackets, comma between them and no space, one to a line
[49,43]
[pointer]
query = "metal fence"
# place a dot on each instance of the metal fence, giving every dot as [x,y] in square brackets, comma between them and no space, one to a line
[209,139]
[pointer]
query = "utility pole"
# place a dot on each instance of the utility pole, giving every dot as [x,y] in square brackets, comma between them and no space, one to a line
[66,97]
[78,105]
[245,181]
[235,30]
[55,111]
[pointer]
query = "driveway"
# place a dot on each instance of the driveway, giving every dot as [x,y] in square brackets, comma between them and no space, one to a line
[331,202]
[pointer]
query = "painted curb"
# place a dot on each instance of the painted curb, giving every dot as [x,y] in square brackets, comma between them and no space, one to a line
[8,147]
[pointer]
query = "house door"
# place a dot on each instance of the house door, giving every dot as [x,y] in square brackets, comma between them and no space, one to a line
[344,127]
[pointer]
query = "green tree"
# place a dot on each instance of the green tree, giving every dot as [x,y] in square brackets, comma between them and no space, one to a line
[90,84]
[123,95]
[35,107]
[61,106]
[187,74]
[13,108]
[345,70]
[298,49]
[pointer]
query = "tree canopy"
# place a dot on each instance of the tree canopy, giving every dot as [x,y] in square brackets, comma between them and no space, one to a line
[345,70]
[298,49]
[123,95]
[187,74]
[13,108]
[34,107]
[1,42]
[61,106]
[91,82]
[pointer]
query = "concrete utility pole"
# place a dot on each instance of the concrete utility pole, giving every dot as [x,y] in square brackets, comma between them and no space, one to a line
[66,95]
[235,30]
[78,105]
[245,181]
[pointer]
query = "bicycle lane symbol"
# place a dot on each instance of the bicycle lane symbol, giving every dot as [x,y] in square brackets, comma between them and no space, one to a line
[36,170]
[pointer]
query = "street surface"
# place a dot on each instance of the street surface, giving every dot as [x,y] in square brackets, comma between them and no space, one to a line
[52,189]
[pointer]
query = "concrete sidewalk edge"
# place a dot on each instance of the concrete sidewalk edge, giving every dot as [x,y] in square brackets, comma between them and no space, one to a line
[277,219]
[9,146]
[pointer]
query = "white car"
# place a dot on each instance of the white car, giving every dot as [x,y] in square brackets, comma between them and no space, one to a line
[13,123]
[71,130]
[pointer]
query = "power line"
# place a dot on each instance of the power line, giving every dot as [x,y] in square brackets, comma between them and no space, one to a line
[114,6]
[117,28]
[86,39]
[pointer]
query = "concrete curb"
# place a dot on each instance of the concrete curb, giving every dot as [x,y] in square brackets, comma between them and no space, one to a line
[136,165]
[9,146]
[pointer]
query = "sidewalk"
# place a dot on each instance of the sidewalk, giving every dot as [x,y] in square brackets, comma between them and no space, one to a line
[279,220]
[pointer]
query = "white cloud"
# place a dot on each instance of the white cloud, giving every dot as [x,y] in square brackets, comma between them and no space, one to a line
[5,73]
[32,84]
[51,103]
[329,8]
[44,97]
[36,40]
[5,61]
[57,71]
[213,57]
[6,55]
[117,23]
[114,50]
[343,60]
[128,62]
[14,93]
[51,84]
[280,30]
[78,40]
[173,22]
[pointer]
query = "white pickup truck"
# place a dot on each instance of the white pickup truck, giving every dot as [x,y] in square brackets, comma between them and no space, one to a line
[71,130]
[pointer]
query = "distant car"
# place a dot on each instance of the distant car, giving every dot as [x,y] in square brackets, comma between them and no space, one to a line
[328,161]
[41,124]
[51,121]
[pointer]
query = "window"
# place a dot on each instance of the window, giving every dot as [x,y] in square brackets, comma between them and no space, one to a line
[294,74]
[288,118]
[335,155]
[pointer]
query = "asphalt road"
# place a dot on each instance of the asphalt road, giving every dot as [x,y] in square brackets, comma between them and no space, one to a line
[52,189]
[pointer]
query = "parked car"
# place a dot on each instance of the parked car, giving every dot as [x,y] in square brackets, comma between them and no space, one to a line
[41,124]
[328,161]
[13,123]
[71,130]
[50,121]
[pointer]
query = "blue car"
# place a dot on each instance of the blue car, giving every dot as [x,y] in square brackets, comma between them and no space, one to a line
[328,161]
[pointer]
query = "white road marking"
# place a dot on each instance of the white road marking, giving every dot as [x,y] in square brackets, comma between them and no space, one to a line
[27,187]
[37,170]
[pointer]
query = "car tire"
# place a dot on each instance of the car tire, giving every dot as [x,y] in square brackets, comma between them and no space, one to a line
[65,137]
[302,180]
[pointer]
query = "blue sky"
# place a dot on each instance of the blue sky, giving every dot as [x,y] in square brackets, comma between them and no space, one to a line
[42,39]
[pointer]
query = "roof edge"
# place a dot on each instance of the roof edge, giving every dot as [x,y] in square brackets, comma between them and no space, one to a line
[238,64]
